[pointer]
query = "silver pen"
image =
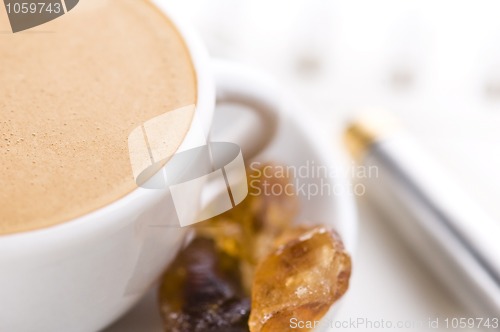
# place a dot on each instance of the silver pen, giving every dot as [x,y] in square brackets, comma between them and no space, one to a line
[443,224]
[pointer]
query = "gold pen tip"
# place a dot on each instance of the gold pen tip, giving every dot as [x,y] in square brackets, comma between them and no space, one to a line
[367,129]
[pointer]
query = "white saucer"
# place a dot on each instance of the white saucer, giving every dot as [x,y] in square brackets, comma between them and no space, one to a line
[300,143]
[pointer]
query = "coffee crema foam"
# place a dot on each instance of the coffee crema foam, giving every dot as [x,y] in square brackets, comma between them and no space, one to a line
[71,91]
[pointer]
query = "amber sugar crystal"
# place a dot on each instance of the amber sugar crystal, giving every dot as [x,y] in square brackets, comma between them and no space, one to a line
[254,252]
[300,279]
[248,231]
[201,292]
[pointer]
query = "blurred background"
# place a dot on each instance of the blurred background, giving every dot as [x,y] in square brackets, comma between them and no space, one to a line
[434,64]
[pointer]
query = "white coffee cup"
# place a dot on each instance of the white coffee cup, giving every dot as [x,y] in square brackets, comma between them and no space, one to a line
[83,274]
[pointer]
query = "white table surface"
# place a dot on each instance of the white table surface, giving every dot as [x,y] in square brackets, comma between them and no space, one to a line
[337,56]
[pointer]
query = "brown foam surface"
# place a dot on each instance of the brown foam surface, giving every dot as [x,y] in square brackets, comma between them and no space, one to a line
[71,91]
